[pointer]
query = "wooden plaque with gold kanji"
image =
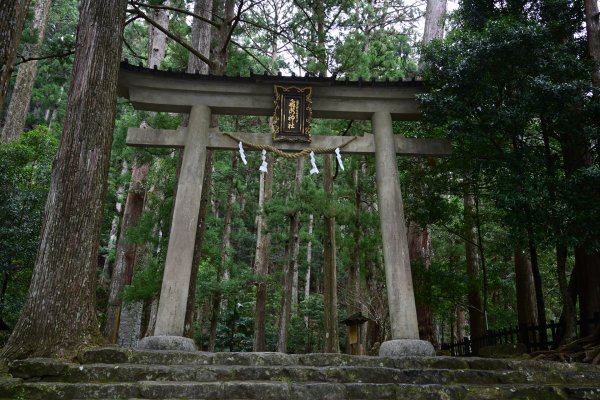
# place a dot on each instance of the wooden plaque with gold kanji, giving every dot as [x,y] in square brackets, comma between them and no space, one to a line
[293,113]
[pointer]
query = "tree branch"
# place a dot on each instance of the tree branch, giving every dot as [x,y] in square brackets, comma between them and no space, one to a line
[179,10]
[236,20]
[24,60]
[133,53]
[171,35]
[251,55]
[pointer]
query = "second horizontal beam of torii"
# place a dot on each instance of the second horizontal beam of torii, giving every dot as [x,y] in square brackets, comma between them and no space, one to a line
[220,141]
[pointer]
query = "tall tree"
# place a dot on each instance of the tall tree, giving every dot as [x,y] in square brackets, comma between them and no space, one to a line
[223,272]
[127,252]
[476,307]
[290,262]
[261,258]
[12,17]
[527,312]
[59,315]
[592,25]
[332,340]
[16,114]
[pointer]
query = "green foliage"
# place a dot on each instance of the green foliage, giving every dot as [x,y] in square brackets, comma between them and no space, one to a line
[145,284]
[25,169]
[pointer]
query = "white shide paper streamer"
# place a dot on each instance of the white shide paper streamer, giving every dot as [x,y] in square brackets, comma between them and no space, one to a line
[314,169]
[242,154]
[263,166]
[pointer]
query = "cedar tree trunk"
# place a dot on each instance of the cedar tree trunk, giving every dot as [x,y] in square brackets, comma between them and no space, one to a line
[12,17]
[332,344]
[59,315]
[261,261]
[16,114]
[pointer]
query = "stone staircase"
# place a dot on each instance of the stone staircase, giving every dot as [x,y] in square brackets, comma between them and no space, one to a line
[115,373]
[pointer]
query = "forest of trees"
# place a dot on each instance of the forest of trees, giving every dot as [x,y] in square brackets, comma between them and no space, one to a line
[505,231]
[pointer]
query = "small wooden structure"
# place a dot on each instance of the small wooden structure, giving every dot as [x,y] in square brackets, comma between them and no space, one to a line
[355,324]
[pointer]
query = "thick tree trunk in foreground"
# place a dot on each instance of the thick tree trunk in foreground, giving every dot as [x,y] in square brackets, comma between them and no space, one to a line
[126,251]
[476,317]
[332,341]
[12,17]
[261,261]
[16,114]
[59,316]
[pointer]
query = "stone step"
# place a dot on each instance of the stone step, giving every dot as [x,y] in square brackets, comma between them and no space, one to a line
[61,371]
[284,390]
[116,355]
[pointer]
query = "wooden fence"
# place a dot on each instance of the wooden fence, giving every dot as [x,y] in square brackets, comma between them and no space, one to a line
[534,337]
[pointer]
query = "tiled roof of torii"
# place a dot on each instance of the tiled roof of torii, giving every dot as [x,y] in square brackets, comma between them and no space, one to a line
[157,90]
[307,79]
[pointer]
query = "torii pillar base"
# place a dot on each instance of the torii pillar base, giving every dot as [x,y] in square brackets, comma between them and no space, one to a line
[405,348]
[167,343]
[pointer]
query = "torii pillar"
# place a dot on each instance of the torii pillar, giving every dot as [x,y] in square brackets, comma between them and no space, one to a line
[170,321]
[398,277]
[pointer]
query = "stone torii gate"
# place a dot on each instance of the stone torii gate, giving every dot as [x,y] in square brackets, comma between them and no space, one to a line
[202,95]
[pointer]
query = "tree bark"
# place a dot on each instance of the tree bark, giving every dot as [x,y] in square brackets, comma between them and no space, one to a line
[332,344]
[59,315]
[261,261]
[353,287]
[12,17]
[157,43]
[435,17]
[126,251]
[201,34]
[569,313]
[592,25]
[14,123]
[527,311]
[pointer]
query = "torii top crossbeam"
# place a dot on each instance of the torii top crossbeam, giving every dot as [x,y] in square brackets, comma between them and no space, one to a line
[202,95]
[156,90]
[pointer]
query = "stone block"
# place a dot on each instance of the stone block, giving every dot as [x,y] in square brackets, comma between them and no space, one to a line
[406,347]
[167,343]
